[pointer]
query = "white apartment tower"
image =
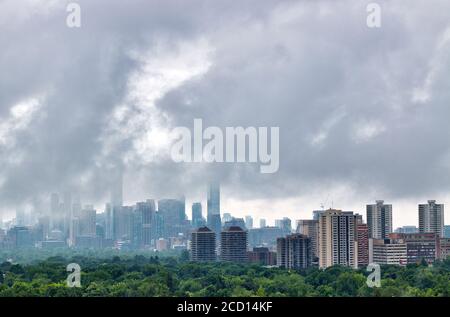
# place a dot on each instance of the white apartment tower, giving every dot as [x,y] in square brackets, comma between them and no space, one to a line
[337,241]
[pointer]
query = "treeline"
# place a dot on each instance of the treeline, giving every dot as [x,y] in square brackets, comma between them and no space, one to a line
[176,276]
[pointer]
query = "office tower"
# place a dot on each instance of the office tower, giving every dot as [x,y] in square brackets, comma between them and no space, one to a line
[262,256]
[174,216]
[148,211]
[67,212]
[20,237]
[235,222]
[362,238]
[142,223]
[44,228]
[337,241]
[54,211]
[249,222]
[197,217]
[203,245]
[226,217]
[87,222]
[233,244]
[431,218]
[388,251]
[20,217]
[447,231]
[294,251]
[123,223]
[310,228]
[316,214]
[158,227]
[407,229]
[420,246]
[266,236]
[262,223]
[109,222]
[116,188]
[213,208]
[379,220]
[284,224]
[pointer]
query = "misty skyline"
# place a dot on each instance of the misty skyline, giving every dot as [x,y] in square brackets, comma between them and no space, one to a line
[362,113]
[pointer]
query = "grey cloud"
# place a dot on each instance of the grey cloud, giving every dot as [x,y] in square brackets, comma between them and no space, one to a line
[341,93]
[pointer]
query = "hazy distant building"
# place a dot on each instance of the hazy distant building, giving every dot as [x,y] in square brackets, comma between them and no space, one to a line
[144,215]
[203,245]
[213,207]
[310,228]
[379,220]
[316,214]
[265,236]
[248,222]
[431,218]
[87,222]
[197,217]
[235,222]
[407,229]
[294,251]
[446,231]
[20,237]
[233,245]
[262,223]
[174,216]
[226,217]
[284,224]
[337,241]
[262,256]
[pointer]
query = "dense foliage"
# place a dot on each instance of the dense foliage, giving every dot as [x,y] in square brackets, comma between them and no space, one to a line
[141,275]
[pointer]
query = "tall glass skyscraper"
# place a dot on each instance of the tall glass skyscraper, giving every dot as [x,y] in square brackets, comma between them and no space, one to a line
[213,207]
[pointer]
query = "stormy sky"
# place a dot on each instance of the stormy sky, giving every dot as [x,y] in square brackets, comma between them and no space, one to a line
[363,112]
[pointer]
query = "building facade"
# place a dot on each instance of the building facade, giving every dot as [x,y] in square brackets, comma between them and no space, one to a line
[337,241]
[431,218]
[294,251]
[233,245]
[379,220]
[203,245]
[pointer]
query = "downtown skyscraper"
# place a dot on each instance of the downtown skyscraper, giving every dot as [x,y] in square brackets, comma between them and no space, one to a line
[213,208]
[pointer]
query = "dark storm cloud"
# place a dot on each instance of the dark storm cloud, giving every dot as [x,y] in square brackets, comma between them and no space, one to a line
[360,107]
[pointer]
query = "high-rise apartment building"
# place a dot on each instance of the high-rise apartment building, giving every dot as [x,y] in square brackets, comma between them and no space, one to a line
[203,245]
[233,244]
[310,228]
[337,241]
[294,251]
[213,207]
[379,220]
[197,217]
[431,218]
